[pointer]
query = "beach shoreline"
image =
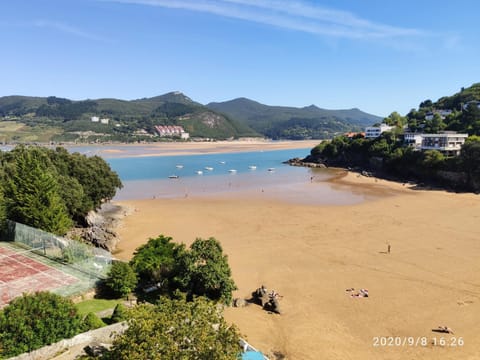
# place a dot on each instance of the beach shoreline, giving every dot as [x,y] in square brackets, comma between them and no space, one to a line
[312,253]
[197,148]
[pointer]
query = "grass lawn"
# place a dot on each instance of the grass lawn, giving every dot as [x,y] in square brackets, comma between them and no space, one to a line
[96,305]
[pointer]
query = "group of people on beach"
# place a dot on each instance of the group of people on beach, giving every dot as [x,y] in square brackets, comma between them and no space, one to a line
[360,293]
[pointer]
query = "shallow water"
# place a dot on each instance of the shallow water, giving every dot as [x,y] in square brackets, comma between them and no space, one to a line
[148,178]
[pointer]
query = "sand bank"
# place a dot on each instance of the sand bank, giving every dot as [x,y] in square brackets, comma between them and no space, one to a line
[311,254]
[194,148]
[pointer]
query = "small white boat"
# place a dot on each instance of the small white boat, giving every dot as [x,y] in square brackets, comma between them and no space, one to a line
[222,162]
[271,169]
[232,171]
[252,167]
[209,168]
[173,177]
[199,172]
[179,166]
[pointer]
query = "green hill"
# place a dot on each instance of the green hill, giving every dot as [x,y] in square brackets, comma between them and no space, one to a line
[294,123]
[128,120]
[459,112]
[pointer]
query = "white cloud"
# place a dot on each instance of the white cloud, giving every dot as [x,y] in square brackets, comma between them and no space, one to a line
[294,15]
[65,28]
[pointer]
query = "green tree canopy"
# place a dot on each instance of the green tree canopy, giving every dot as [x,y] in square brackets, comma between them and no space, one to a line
[51,188]
[205,271]
[177,329]
[156,260]
[35,320]
[122,279]
[32,192]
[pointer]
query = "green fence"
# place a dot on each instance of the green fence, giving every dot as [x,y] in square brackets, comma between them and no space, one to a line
[88,259]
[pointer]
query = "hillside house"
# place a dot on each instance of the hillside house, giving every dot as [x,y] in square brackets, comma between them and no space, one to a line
[475,102]
[443,114]
[449,143]
[372,132]
[413,139]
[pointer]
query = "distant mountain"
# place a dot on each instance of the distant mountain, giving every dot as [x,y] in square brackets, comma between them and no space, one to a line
[128,120]
[291,122]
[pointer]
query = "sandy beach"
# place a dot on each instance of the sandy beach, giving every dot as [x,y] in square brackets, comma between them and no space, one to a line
[195,148]
[311,254]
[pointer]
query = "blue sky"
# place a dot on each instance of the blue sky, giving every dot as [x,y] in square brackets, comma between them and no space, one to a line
[379,56]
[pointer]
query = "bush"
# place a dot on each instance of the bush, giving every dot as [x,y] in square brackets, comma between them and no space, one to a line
[92,322]
[35,320]
[119,313]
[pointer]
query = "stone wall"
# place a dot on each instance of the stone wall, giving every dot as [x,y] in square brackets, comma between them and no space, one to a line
[102,335]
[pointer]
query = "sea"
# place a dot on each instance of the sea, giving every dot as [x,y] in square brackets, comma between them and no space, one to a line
[253,174]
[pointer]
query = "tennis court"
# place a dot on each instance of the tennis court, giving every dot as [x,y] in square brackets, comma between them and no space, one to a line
[23,271]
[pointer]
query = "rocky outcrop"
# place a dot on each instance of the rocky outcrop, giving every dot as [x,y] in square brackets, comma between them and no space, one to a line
[101,224]
[302,162]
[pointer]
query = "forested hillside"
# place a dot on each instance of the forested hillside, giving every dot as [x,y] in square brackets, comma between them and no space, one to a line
[281,122]
[134,120]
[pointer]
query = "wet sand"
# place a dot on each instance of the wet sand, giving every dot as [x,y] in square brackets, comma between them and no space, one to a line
[312,253]
[195,148]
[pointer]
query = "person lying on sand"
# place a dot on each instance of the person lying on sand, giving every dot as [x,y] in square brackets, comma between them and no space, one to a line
[443,329]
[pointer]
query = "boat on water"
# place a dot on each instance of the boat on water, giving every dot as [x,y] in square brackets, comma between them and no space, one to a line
[232,171]
[173,177]
[271,169]
[179,166]
[209,168]
[222,162]
[199,172]
[252,167]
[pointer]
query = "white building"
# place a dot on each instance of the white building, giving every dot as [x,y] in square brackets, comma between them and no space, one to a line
[95,119]
[449,143]
[413,139]
[372,132]
[104,121]
[171,131]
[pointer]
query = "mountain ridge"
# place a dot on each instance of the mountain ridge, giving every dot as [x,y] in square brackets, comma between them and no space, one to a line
[288,121]
[214,120]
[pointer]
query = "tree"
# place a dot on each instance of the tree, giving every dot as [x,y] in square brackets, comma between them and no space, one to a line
[432,159]
[426,104]
[470,162]
[35,320]
[122,279]
[434,125]
[3,211]
[177,329]
[156,260]
[205,271]
[395,119]
[93,174]
[33,193]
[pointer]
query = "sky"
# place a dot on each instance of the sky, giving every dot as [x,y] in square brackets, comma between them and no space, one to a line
[376,55]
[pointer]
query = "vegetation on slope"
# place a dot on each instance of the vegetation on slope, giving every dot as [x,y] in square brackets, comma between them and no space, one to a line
[128,120]
[388,154]
[280,122]
[53,189]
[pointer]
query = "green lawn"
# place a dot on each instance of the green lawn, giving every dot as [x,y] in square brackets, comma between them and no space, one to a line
[96,305]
